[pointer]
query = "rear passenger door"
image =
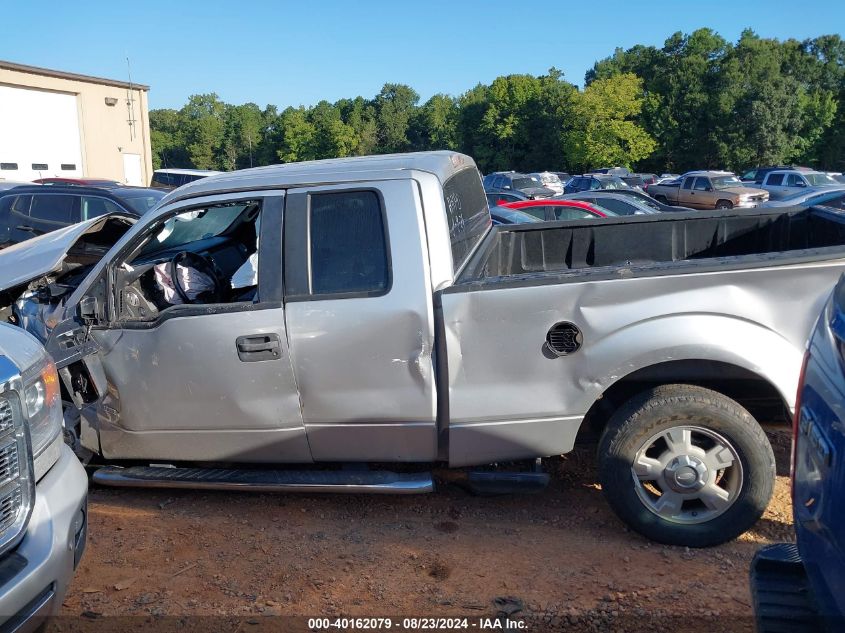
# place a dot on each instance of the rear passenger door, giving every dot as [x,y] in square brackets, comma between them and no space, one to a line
[44,213]
[774,184]
[359,313]
[687,195]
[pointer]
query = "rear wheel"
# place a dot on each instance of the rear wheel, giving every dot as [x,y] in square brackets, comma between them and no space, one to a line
[724,204]
[684,465]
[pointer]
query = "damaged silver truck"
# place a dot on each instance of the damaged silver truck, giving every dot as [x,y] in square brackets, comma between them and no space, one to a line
[266,329]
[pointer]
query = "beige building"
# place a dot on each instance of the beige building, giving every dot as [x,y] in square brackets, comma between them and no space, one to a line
[54,123]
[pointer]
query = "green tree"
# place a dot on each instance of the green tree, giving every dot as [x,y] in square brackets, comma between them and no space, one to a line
[332,137]
[167,139]
[202,120]
[394,109]
[297,135]
[435,125]
[604,132]
[243,128]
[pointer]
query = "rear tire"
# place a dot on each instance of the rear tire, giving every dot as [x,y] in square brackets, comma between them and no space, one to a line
[685,465]
[724,204]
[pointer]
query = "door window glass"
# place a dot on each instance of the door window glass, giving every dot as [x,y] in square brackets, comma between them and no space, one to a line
[537,212]
[702,184]
[775,180]
[93,207]
[348,244]
[52,208]
[571,213]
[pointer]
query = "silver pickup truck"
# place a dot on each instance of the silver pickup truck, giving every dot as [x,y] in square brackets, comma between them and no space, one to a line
[364,310]
[43,487]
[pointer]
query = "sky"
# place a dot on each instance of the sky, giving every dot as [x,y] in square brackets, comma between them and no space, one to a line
[298,53]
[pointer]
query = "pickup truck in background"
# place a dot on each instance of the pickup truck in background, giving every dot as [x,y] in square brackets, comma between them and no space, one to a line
[365,310]
[801,586]
[43,487]
[708,190]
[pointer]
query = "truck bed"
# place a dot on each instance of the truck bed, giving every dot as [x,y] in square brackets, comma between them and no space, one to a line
[649,245]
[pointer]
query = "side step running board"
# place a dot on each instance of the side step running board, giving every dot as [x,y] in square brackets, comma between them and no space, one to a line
[346,481]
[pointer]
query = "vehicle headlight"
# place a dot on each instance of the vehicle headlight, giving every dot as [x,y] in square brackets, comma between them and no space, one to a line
[42,403]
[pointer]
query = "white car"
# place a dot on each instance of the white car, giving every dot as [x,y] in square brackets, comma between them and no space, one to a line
[549,181]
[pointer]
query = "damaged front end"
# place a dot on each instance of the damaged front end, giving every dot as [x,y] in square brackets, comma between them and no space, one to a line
[38,279]
[38,276]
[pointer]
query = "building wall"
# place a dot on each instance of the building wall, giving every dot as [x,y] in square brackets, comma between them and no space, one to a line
[105,133]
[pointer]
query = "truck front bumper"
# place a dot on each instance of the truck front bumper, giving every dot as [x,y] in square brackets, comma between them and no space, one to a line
[35,576]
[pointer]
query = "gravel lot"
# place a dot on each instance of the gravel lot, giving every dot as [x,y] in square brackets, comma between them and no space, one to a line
[557,560]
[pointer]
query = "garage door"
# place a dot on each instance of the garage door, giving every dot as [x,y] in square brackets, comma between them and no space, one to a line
[39,134]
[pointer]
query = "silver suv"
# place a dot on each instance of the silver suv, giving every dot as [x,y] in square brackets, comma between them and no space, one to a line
[43,487]
[783,182]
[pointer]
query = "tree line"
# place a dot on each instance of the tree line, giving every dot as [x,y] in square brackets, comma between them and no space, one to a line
[697,102]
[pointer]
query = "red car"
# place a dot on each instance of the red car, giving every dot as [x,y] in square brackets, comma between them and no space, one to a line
[103,183]
[550,209]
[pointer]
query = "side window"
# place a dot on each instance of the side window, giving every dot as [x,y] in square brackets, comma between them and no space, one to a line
[617,206]
[499,182]
[688,183]
[21,205]
[213,250]
[594,183]
[348,243]
[702,184]
[794,180]
[571,213]
[775,180]
[93,207]
[537,212]
[52,208]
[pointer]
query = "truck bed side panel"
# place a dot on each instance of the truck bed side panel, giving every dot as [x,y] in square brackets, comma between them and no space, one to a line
[510,397]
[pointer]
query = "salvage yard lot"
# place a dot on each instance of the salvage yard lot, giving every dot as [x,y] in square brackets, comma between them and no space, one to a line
[561,556]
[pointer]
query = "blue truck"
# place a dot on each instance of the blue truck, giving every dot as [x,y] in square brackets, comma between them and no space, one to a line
[801,586]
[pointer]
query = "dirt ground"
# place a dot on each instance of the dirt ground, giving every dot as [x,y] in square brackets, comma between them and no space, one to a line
[556,560]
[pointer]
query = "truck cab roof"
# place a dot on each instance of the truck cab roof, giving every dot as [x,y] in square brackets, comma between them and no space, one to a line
[443,164]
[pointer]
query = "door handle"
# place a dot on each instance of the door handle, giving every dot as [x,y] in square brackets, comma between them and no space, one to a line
[257,347]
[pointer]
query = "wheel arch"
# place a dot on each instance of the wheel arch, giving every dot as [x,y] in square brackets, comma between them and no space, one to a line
[757,393]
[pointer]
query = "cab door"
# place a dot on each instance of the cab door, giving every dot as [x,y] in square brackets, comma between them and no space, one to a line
[686,195]
[198,382]
[360,316]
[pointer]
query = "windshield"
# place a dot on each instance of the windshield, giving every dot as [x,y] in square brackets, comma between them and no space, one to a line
[614,183]
[820,179]
[192,226]
[142,201]
[524,183]
[724,182]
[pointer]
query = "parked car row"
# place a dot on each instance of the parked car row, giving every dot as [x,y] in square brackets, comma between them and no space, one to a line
[47,204]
